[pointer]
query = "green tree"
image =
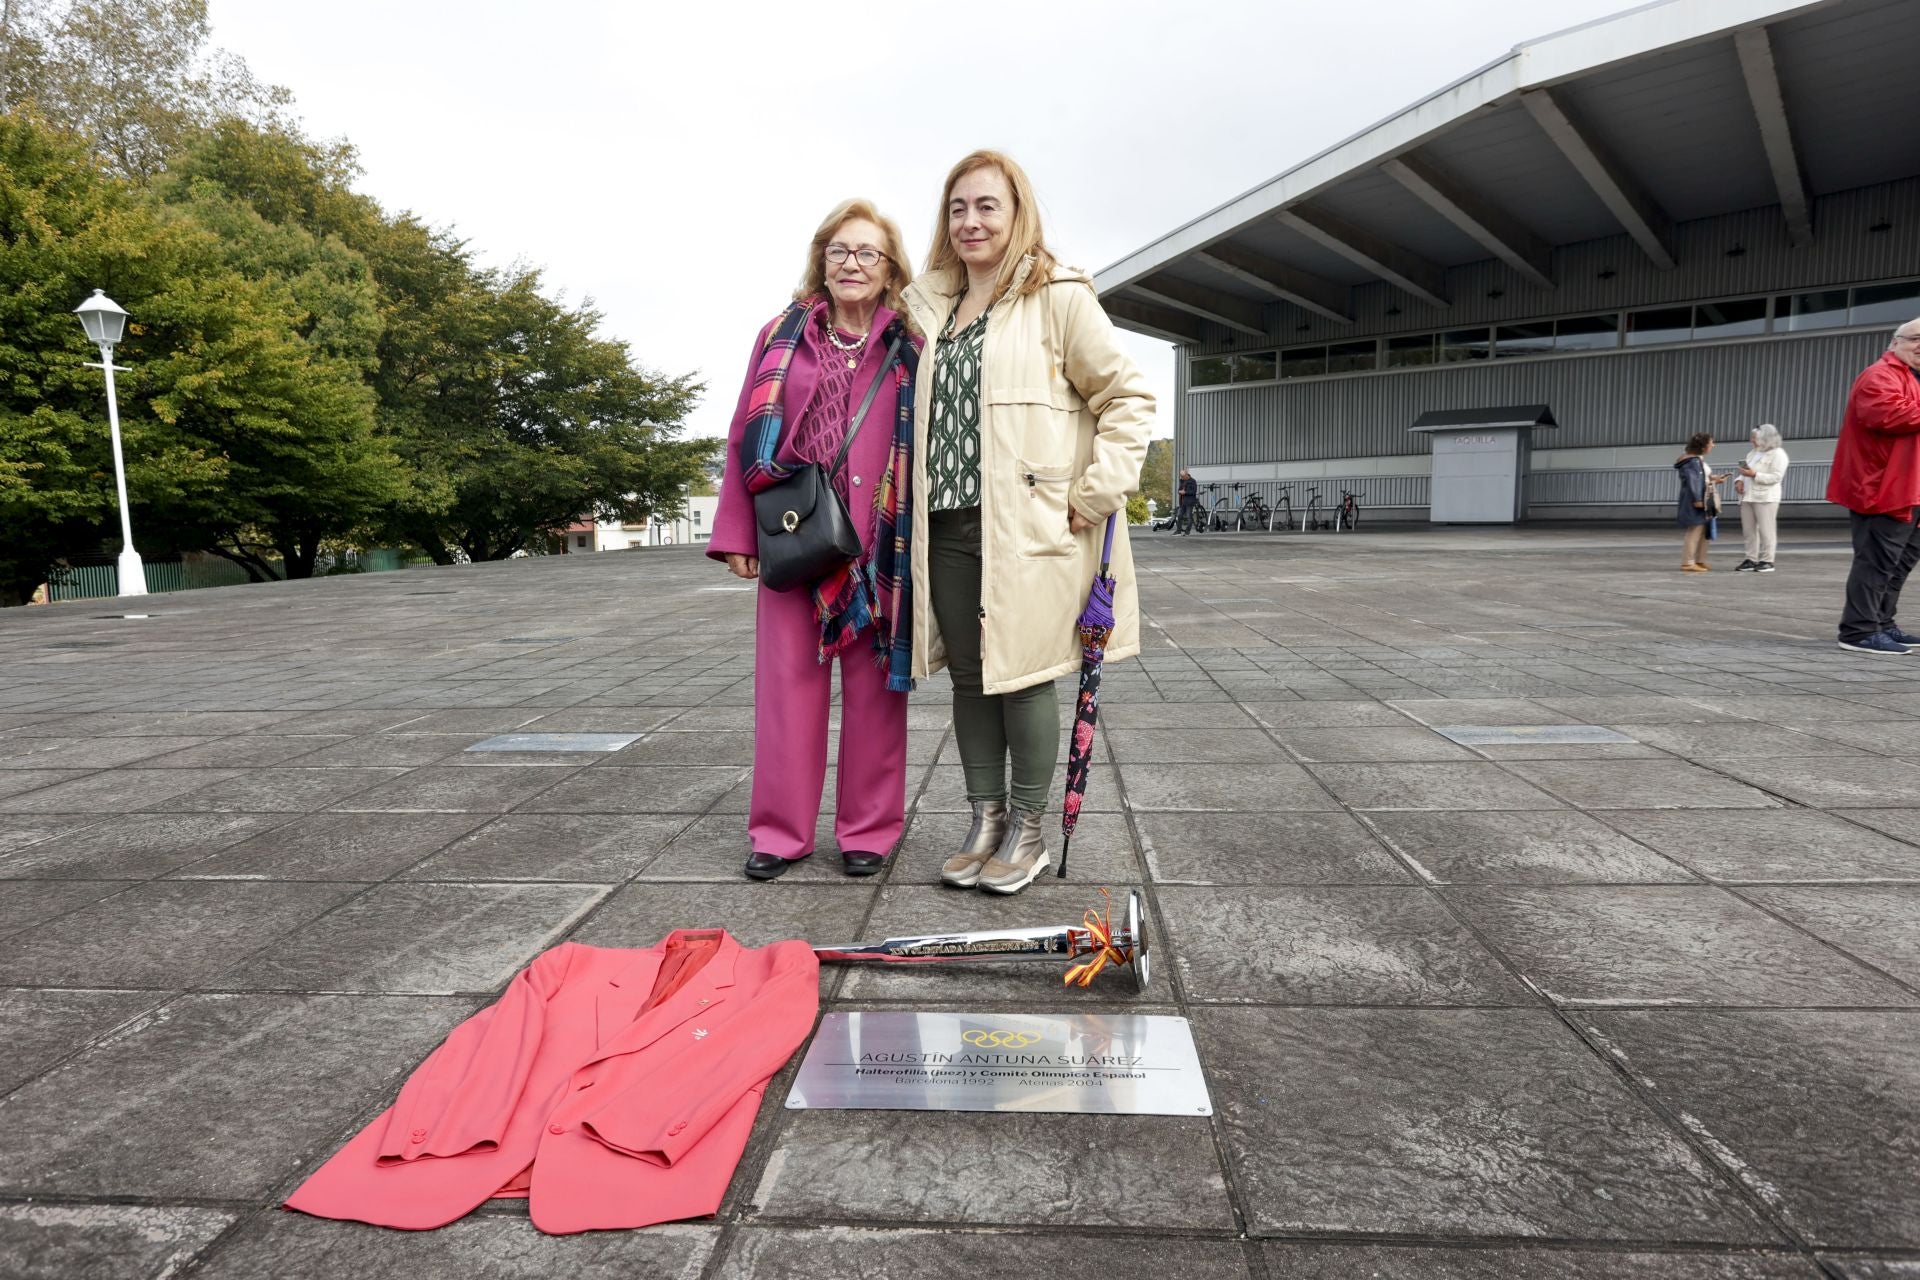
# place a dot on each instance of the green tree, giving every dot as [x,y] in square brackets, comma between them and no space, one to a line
[1156,475]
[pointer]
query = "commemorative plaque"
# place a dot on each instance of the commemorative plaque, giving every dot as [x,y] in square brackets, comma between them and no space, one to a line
[1085,1063]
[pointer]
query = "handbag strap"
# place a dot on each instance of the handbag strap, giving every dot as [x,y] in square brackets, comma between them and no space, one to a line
[860,415]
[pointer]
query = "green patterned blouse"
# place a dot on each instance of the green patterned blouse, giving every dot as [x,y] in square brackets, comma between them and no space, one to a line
[953,444]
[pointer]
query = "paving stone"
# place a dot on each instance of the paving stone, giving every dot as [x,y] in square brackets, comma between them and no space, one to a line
[634,720]
[117,791]
[754,912]
[433,939]
[25,904]
[1153,715]
[1481,711]
[246,751]
[1364,744]
[133,846]
[1618,709]
[289,790]
[483,722]
[460,790]
[1458,1122]
[1539,847]
[1140,1172]
[1430,786]
[1879,924]
[162,934]
[1642,784]
[214,1096]
[1270,786]
[333,723]
[1735,740]
[1258,848]
[1190,746]
[292,1246]
[1289,716]
[669,747]
[38,1028]
[103,1242]
[1842,782]
[1797,710]
[1664,945]
[1817,1112]
[590,849]
[907,910]
[806,1253]
[336,846]
[1781,844]
[660,789]
[1883,737]
[19,831]
[1857,1268]
[1334,946]
[1314,1261]
[86,753]
[375,750]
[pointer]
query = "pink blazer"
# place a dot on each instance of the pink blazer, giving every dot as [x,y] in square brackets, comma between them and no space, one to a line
[611,1087]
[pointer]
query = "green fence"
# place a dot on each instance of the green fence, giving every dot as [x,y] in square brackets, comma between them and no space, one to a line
[97,581]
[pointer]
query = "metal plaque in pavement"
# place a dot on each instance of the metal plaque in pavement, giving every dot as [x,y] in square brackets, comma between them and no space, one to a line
[1516,735]
[1085,1063]
[558,742]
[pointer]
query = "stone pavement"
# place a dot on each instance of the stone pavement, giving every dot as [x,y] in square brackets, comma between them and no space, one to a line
[1636,1009]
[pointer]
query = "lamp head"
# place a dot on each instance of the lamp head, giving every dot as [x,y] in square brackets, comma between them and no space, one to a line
[102,318]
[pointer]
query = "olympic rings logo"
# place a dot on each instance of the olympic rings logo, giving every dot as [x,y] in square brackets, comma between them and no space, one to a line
[1000,1039]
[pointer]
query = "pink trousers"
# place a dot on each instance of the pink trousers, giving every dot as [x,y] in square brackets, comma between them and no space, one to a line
[792,693]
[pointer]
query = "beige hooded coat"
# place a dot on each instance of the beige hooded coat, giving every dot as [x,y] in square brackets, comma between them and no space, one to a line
[1065,416]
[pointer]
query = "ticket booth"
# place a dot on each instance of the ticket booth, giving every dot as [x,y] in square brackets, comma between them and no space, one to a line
[1480,461]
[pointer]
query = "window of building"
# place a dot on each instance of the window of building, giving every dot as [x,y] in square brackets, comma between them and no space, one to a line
[1586,333]
[1805,311]
[1303,362]
[580,540]
[1461,345]
[1412,352]
[1510,340]
[1353,357]
[1209,371]
[1729,319]
[1886,303]
[1261,366]
[697,513]
[1665,324]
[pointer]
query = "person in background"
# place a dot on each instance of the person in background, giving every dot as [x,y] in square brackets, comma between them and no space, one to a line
[1759,485]
[812,367]
[1876,477]
[1189,501]
[1692,510]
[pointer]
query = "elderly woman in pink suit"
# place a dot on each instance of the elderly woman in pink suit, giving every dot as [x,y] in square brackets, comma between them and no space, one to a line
[812,368]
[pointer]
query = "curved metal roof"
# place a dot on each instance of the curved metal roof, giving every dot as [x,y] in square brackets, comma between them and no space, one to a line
[1678,110]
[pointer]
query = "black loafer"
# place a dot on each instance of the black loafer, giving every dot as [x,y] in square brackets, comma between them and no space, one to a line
[862,864]
[765,866]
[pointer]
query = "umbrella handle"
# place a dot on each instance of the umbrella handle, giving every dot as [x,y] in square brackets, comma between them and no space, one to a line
[1106,551]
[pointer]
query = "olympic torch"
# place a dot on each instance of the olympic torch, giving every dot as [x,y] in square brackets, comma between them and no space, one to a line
[1096,937]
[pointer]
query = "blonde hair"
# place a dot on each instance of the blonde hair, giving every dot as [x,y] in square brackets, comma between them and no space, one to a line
[1024,237]
[814,280]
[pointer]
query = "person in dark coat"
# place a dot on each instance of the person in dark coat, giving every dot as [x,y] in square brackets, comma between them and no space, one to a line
[1692,510]
[1189,500]
[1876,477]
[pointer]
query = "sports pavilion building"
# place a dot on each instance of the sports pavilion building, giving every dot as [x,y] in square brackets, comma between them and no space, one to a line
[1695,215]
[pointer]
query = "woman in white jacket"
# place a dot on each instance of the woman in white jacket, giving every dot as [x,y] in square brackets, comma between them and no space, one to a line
[1759,488]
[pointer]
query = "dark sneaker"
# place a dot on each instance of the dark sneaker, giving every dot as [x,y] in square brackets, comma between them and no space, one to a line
[1901,637]
[1879,642]
[1746,566]
[1765,566]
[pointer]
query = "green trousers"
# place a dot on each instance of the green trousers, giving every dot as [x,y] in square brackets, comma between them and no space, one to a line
[1022,726]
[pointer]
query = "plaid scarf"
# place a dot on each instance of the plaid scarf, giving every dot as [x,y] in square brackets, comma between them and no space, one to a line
[877,590]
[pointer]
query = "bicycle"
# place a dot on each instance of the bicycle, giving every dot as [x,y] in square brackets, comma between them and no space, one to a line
[1282,510]
[1253,512]
[1313,518]
[1347,515]
[1219,511]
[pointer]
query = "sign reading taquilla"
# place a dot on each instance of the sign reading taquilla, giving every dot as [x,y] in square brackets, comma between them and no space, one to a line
[1092,1063]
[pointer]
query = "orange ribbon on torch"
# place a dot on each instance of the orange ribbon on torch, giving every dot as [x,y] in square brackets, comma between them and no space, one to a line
[1101,927]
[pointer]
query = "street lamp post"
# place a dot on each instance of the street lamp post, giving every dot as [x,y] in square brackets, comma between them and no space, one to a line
[105,323]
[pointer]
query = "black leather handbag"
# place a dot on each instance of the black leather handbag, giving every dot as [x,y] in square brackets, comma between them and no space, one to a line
[805,530]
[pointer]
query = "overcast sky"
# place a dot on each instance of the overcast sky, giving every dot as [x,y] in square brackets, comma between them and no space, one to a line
[670,161]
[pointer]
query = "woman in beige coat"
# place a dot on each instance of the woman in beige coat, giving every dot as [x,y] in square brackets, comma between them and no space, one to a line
[1029,433]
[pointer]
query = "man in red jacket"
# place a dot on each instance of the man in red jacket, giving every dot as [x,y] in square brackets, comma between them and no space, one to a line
[1876,477]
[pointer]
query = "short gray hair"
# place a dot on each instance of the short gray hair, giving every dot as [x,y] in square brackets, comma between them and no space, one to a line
[1903,330]
[1769,435]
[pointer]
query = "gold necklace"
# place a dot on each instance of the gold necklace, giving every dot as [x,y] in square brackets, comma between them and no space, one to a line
[853,348]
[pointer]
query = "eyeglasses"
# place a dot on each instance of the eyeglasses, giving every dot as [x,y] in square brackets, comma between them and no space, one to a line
[868,258]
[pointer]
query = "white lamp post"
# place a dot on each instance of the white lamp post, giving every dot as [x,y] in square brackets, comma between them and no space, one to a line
[105,322]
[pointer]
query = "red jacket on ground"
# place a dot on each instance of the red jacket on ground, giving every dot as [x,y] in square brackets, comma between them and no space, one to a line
[611,1087]
[1876,465]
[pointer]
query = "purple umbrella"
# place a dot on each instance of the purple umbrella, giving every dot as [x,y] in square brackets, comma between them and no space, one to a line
[1096,626]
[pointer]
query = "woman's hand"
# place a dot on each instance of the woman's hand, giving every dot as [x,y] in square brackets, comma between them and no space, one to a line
[743,566]
[1077,523]
[1746,470]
